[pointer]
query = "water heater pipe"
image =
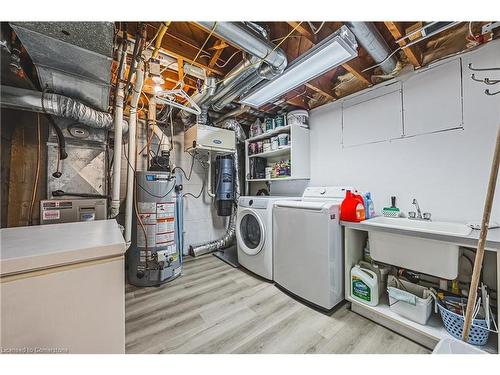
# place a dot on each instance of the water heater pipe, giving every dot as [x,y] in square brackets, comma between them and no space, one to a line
[209,183]
[132,152]
[117,146]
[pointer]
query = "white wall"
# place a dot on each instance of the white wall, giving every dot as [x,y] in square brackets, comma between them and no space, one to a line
[201,223]
[446,171]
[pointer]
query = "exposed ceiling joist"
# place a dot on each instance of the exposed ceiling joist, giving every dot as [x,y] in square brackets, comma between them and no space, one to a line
[176,51]
[413,53]
[218,48]
[303,30]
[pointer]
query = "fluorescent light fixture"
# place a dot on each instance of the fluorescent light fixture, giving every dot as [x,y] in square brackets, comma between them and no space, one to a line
[333,51]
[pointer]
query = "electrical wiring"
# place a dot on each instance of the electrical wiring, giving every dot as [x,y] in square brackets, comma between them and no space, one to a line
[199,52]
[187,177]
[384,60]
[228,60]
[37,174]
[184,195]
[313,28]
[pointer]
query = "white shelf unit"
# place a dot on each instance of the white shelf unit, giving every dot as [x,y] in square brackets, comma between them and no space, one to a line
[297,152]
[427,335]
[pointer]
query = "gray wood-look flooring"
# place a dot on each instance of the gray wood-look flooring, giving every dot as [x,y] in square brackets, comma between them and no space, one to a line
[214,308]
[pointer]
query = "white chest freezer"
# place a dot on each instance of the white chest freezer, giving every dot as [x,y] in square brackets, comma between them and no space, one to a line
[62,288]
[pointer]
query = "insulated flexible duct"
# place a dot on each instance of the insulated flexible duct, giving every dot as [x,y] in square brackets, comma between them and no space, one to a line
[228,238]
[374,43]
[56,105]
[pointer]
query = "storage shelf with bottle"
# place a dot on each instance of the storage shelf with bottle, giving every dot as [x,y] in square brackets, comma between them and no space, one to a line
[278,148]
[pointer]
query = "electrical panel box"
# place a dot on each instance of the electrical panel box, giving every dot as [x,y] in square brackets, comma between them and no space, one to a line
[55,211]
[209,138]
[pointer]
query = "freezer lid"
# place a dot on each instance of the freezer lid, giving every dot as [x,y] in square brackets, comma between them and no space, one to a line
[25,249]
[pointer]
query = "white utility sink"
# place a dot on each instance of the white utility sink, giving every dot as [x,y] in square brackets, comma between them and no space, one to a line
[437,258]
[437,227]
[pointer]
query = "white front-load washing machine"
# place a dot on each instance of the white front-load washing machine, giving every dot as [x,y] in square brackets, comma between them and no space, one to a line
[254,225]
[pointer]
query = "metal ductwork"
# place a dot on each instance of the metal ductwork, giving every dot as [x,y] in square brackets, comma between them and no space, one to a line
[229,237]
[71,58]
[240,35]
[207,91]
[57,105]
[372,41]
[265,62]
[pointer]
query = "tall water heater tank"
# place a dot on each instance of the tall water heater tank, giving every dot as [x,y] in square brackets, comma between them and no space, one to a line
[153,257]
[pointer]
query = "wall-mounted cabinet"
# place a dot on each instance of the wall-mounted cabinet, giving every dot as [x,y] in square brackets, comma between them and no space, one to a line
[295,152]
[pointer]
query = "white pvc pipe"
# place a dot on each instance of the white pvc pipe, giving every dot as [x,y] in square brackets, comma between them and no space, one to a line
[160,135]
[132,152]
[117,149]
[209,183]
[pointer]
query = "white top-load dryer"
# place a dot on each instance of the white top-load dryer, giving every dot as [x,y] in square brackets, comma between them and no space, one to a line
[308,257]
[254,233]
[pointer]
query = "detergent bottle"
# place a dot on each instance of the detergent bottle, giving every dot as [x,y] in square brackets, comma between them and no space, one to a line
[352,207]
[364,285]
[369,208]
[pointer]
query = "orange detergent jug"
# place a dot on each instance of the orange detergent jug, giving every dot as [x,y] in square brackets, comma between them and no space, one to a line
[352,208]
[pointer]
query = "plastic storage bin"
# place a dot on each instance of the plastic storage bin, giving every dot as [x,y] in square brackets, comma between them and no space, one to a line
[409,300]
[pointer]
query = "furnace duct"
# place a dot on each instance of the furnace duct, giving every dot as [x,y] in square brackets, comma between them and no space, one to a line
[56,105]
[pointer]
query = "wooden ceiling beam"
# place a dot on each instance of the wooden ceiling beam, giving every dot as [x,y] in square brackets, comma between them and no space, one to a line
[303,30]
[356,67]
[218,48]
[413,53]
[320,91]
[176,51]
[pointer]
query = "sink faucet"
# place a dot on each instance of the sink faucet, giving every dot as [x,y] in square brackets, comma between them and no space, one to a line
[418,215]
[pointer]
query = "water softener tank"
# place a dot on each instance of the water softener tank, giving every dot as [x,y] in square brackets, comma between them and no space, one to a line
[153,257]
[225,185]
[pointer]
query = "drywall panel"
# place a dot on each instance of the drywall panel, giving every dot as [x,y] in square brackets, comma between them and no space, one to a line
[433,99]
[373,117]
[446,171]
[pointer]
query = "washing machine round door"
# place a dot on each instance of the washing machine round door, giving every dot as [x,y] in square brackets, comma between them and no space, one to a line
[250,232]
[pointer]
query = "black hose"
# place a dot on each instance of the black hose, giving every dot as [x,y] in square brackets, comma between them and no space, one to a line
[60,137]
[135,54]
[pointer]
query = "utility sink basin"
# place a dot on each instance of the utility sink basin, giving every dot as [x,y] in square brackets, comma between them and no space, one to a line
[437,227]
[437,258]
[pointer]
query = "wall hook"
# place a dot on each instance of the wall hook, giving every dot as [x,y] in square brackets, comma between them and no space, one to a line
[487,92]
[481,69]
[491,81]
[486,80]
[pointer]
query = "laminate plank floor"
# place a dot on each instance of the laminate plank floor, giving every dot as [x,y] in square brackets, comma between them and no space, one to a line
[214,308]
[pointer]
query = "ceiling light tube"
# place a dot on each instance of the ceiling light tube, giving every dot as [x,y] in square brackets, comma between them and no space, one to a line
[331,52]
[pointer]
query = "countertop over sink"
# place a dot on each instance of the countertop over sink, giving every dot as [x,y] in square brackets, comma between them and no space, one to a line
[468,240]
